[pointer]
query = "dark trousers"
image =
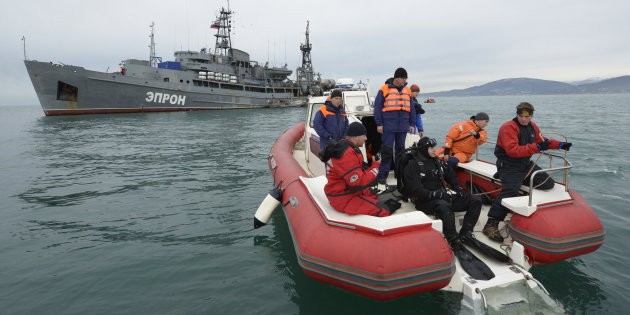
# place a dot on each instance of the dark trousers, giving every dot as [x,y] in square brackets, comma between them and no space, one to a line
[511,180]
[390,140]
[444,210]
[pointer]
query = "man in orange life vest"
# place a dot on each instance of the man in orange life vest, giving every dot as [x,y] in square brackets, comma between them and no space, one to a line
[394,117]
[331,121]
[350,179]
[463,139]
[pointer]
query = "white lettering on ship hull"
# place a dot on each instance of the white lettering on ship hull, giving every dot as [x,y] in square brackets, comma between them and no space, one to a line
[163,98]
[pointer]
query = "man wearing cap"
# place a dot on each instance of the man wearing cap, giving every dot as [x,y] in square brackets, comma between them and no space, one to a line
[424,180]
[349,178]
[415,91]
[517,141]
[463,139]
[331,120]
[395,117]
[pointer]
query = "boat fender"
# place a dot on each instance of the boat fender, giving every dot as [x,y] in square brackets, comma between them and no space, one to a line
[266,208]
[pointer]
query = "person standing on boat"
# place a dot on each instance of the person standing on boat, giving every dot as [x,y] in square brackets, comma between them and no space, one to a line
[463,139]
[349,178]
[394,117]
[517,141]
[331,121]
[425,180]
[415,91]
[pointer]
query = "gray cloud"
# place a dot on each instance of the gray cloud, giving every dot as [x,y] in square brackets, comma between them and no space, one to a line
[443,44]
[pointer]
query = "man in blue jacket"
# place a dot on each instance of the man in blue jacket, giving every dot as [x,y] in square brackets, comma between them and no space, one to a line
[395,117]
[331,120]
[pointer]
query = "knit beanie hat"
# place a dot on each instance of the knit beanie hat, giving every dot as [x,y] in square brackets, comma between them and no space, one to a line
[356,129]
[335,93]
[480,116]
[400,73]
[415,88]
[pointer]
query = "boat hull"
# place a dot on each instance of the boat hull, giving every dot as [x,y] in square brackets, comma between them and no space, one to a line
[555,231]
[385,265]
[72,90]
[560,232]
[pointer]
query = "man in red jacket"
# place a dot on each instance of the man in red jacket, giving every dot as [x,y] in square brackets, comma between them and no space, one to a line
[518,140]
[350,178]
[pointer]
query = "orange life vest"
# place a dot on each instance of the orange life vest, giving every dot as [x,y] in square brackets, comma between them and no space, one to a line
[394,100]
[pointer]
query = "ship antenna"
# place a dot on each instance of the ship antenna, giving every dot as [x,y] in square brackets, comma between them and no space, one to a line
[24,43]
[153,60]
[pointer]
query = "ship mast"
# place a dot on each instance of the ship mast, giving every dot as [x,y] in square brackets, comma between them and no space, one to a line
[305,74]
[223,24]
[153,60]
[307,66]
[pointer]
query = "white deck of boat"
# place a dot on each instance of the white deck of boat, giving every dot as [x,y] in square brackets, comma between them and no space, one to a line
[315,186]
[520,204]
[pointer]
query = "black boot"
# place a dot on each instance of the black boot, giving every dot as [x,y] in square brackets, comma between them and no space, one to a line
[458,248]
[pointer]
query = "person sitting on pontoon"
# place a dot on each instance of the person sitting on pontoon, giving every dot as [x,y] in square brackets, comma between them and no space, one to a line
[463,139]
[517,141]
[350,178]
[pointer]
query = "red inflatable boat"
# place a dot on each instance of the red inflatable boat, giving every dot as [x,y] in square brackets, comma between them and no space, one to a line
[382,258]
[406,253]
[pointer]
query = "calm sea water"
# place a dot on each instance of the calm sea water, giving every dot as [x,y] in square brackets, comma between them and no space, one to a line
[152,213]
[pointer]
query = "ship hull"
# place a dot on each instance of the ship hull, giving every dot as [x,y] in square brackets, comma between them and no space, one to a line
[72,90]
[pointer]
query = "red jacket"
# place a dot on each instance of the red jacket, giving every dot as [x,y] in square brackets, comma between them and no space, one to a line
[348,184]
[517,143]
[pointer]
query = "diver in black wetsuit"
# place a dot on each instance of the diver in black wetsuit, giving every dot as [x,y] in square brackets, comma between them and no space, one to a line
[426,179]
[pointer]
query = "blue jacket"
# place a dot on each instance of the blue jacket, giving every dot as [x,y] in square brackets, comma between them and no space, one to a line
[331,125]
[419,112]
[394,121]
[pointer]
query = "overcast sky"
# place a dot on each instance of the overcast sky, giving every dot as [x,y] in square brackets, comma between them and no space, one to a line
[443,44]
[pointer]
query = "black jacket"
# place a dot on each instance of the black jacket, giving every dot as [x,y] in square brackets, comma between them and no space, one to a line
[422,174]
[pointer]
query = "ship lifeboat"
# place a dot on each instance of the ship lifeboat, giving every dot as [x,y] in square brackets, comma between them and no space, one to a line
[429,100]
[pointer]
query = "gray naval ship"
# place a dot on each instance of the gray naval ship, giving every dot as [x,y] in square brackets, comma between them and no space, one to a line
[224,79]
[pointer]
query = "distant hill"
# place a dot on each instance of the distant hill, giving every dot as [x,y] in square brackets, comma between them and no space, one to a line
[528,86]
[614,85]
[586,81]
